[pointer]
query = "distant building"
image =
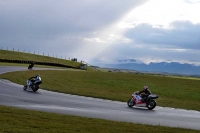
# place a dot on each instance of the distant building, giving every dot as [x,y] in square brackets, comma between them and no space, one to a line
[83,66]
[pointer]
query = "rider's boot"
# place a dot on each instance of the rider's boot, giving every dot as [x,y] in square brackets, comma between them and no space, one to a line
[143,99]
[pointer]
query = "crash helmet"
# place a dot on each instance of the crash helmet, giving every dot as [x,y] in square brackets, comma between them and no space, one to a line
[145,87]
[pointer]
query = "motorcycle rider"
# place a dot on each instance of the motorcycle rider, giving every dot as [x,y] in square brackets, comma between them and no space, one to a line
[31,65]
[34,80]
[145,93]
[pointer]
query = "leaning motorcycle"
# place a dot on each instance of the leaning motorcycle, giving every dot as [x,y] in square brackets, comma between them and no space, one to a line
[136,100]
[30,66]
[32,84]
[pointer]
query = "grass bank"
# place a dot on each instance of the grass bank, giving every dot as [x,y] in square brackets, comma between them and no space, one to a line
[15,120]
[14,55]
[172,92]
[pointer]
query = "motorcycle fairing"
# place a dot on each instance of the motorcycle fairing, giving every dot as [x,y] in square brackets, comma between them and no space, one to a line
[138,100]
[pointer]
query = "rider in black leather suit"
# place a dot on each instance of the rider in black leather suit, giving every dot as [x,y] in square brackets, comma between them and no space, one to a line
[145,93]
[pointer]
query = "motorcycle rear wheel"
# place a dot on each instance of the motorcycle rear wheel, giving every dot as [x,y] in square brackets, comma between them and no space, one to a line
[151,104]
[130,103]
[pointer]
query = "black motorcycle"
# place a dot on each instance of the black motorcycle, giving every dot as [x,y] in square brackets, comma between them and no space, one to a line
[31,65]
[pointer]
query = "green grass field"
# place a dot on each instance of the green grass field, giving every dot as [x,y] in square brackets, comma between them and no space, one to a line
[15,120]
[177,92]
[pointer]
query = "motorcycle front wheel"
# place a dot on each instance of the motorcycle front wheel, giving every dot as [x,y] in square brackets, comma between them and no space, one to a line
[151,104]
[130,103]
[35,88]
[25,87]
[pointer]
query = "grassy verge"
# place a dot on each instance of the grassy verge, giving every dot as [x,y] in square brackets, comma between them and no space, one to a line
[173,92]
[15,120]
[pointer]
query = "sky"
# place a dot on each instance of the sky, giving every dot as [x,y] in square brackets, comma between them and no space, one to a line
[103,31]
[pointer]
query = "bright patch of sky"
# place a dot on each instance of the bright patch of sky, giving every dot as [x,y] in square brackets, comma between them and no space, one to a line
[159,14]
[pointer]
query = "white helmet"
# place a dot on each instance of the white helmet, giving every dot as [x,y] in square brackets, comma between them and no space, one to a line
[145,87]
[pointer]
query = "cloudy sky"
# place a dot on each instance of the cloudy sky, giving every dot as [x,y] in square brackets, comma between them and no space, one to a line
[104,31]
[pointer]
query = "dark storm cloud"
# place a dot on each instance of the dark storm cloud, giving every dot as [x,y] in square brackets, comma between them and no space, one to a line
[63,16]
[183,35]
[46,24]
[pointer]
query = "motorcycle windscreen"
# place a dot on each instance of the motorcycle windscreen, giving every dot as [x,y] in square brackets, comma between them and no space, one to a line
[153,96]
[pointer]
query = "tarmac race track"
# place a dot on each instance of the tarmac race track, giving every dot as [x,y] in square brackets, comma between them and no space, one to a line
[12,94]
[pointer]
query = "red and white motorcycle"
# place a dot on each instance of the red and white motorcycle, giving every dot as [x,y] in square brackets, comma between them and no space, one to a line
[136,100]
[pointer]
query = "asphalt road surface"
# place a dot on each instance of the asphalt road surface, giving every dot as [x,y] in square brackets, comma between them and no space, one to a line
[12,94]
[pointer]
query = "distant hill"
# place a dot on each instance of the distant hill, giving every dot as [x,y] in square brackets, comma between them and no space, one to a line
[162,67]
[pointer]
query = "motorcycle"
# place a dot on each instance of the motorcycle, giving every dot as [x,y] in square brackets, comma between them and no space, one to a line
[32,84]
[137,101]
[30,66]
